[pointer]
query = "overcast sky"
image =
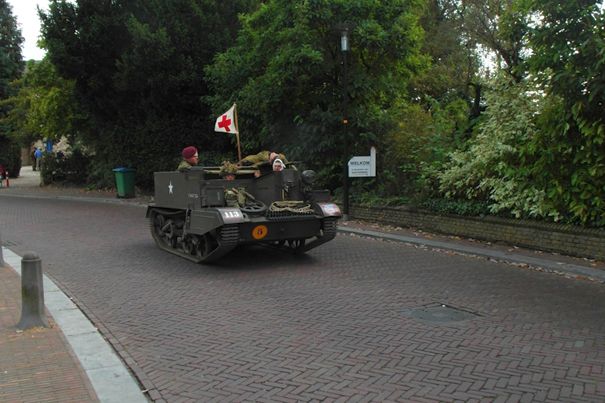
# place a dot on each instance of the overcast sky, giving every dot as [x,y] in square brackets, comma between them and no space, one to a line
[29,23]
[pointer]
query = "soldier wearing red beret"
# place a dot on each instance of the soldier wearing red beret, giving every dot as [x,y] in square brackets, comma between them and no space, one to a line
[190,158]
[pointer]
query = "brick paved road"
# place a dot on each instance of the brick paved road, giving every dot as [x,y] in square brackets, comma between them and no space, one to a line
[335,324]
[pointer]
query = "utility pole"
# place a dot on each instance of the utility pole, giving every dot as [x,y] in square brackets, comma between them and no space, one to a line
[344,48]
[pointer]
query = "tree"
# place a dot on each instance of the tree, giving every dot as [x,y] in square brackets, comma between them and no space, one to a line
[44,105]
[286,75]
[138,68]
[499,26]
[496,166]
[568,44]
[541,151]
[11,61]
[454,60]
[11,66]
[442,107]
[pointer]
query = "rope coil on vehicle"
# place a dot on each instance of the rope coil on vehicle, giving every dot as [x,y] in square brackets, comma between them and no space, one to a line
[293,206]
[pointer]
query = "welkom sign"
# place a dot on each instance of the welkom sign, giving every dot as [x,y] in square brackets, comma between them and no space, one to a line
[363,166]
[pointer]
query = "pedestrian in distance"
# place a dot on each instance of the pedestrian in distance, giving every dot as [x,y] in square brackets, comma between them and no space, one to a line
[38,157]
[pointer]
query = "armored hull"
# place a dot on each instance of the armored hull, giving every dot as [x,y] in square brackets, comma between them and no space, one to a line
[201,217]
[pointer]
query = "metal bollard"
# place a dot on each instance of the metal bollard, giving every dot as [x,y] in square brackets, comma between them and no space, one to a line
[32,293]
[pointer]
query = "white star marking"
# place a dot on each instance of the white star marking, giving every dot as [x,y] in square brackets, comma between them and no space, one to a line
[170,187]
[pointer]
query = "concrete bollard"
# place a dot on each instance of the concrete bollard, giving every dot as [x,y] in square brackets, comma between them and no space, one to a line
[32,293]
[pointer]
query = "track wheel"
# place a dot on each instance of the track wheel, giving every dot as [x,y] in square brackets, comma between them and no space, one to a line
[296,244]
[169,232]
[188,244]
[158,222]
[201,246]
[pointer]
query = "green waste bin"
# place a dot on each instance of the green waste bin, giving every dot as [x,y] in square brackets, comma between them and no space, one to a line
[125,182]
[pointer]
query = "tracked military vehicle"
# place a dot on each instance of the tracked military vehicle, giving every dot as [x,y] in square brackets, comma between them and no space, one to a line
[201,216]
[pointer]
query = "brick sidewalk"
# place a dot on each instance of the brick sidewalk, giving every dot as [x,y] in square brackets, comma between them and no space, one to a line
[35,365]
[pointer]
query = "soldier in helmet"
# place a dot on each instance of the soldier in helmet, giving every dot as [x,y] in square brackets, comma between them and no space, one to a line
[228,170]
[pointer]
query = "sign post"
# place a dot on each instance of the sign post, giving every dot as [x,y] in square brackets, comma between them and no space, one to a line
[363,166]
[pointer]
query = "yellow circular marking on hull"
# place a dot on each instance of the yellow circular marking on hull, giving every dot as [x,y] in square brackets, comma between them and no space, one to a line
[259,232]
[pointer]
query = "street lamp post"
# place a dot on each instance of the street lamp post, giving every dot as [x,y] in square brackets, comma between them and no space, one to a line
[344,48]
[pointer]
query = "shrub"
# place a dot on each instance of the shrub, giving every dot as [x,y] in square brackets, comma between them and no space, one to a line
[10,156]
[100,175]
[69,169]
[373,200]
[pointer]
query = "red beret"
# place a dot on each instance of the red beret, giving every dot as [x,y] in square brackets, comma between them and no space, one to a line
[189,152]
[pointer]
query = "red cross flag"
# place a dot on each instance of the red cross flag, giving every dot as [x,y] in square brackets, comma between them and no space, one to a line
[227,122]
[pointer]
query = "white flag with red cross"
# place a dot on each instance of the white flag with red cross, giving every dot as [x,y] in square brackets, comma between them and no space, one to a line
[227,122]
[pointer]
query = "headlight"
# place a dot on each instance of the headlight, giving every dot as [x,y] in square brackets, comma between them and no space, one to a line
[308,177]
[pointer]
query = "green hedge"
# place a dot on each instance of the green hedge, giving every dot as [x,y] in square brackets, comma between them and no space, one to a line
[10,156]
[70,169]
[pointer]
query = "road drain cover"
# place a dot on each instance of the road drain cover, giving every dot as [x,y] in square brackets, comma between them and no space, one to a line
[441,313]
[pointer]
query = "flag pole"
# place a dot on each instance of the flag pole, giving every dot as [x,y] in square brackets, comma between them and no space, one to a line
[239,151]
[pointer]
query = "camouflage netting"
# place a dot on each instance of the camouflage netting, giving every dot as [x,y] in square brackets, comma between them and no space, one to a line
[228,168]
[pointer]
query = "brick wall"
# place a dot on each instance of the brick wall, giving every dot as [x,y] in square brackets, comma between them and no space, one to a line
[565,239]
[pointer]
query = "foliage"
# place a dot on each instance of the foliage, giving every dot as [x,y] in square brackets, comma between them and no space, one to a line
[499,26]
[540,151]
[457,207]
[408,146]
[11,61]
[138,80]
[420,138]
[44,106]
[100,174]
[453,62]
[66,169]
[285,72]
[493,157]
[10,156]
[371,199]
[442,108]
[11,65]
[499,166]
[569,60]
[138,72]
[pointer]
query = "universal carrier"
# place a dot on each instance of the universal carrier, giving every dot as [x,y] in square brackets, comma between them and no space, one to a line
[201,217]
